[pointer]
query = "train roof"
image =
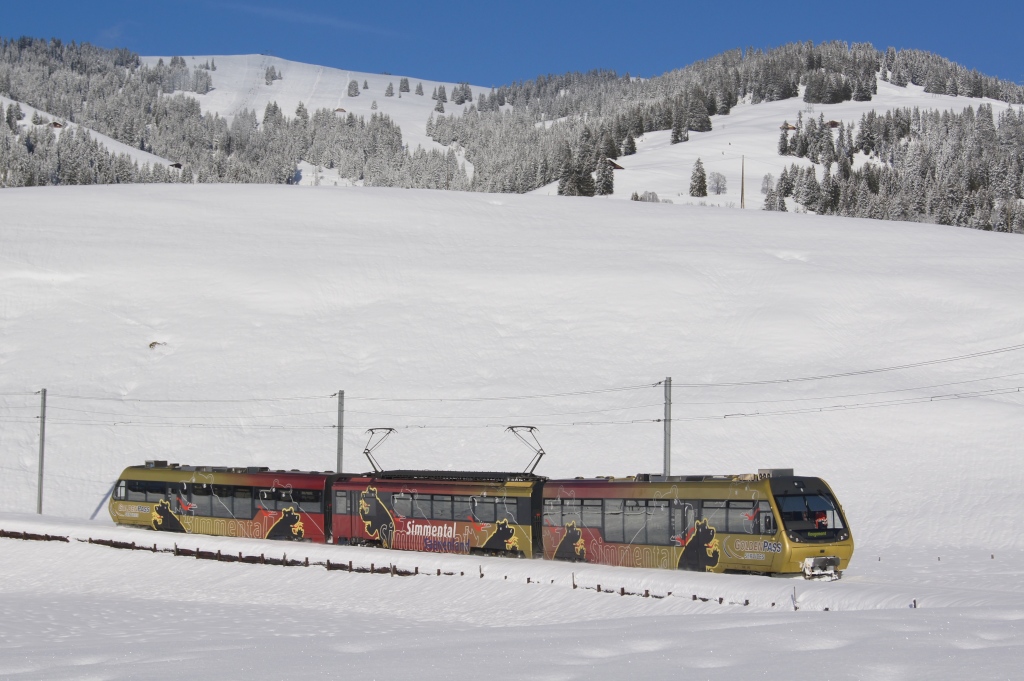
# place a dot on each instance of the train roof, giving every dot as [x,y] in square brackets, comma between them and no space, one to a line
[156,465]
[469,476]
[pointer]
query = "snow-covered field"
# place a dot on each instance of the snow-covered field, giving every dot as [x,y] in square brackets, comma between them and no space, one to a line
[213,324]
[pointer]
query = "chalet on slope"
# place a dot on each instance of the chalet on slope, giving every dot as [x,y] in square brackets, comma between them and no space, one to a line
[340,110]
[615,166]
[787,126]
[835,124]
[176,165]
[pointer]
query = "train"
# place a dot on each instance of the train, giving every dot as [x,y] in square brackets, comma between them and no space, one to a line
[769,523]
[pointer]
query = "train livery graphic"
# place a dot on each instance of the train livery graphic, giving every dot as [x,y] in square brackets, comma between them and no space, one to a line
[502,539]
[288,526]
[772,522]
[378,520]
[700,549]
[164,519]
[571,546]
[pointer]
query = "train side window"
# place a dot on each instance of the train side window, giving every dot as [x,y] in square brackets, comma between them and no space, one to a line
[265,500]
[714,513]
[402,503]
[742,516]
[309,500]
[155,491]
[505,509]
[684,517]
[462,508]
[765,518]
[613,520]
[571,512]
[552,513]
[120,491]
[341,502]
[658,522]
[242,503]
[136,490]
[592,511]
[483,509]
[421,506]
[222,501]
[634,521]
[286,499]
[442,507]
[201,499]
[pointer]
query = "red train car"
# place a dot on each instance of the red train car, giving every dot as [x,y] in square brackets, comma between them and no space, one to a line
[440,511]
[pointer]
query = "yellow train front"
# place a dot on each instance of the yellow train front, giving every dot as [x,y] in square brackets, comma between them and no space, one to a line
[770,523]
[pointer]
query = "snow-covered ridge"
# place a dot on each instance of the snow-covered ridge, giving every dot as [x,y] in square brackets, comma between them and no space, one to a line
[749,135]
[240,83]
[110,144]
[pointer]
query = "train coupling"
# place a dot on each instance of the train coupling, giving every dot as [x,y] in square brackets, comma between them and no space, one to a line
[823,568]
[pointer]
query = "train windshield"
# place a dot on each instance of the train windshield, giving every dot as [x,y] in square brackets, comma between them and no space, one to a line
[811,516]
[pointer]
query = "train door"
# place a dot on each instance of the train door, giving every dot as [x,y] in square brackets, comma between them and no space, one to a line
[537,519]
[342,516]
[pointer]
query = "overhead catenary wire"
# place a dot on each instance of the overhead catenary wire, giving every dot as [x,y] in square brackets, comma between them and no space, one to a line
[860,372]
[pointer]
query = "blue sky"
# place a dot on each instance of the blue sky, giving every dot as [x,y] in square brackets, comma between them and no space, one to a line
[489,43]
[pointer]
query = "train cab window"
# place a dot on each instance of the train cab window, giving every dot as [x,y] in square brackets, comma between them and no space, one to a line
[591,513]
[136,490]
[552,513]
[222,501]
[613,520]
[421,506]
[572,512]
[120,491]
[402,503]
[341,506]
[462,508]
[806,512]
[658,522]
[308,500]
[715,513]
[442,507]
[483,509]
[201,499]
[242,503]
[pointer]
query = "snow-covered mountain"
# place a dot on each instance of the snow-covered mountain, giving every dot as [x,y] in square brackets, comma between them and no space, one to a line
[240,83]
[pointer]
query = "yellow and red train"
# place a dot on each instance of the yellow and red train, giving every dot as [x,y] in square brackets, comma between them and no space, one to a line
[772,522]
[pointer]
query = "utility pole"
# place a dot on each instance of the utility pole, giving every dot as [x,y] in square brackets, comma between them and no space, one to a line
[743,181]
[42,447]
[341,427]
[668,426]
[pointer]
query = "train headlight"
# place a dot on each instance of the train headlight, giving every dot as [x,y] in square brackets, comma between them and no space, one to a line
[843,536]
[793,536]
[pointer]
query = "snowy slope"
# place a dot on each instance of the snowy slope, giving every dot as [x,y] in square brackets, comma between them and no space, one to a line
[261,302]
[751,130]
[240,83]
[110,144]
